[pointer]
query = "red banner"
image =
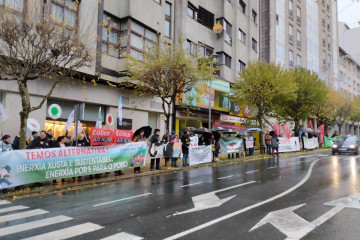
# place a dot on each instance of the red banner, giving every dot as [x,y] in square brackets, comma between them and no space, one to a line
[286,131]
[321,129]
[276,128]
[99,136]
[122,136]
[310,125]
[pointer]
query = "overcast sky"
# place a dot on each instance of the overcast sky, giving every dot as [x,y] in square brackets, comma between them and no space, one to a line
[349,12]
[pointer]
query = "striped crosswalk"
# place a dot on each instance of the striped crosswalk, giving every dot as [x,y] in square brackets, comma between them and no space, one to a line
[9,214]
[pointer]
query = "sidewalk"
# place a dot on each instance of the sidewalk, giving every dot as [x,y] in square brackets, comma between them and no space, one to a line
[49,187]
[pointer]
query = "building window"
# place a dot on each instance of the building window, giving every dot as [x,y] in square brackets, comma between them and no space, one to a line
[224,59]
[167,25]
[191,11]
[298,39]
[254,44]
[191,47]
[205,50]
[290,8]
[242,65]
[205,17]
[291,34]
[291,59]
[63,14]
[298,61]
[324,57]
[298,15]
[111,35]
[253,16]
[13,8]
[227,30]
[242,36]
[329,42]
[157,1]
[323,17]
[140,38]
[242,6]
[323,38]
[277,19]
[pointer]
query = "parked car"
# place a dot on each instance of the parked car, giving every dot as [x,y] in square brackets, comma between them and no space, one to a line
[346,144]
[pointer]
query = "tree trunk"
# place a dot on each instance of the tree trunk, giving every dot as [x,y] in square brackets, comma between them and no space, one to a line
[24,114]
[340,126]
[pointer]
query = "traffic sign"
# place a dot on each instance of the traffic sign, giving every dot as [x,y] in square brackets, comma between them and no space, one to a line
[54,111]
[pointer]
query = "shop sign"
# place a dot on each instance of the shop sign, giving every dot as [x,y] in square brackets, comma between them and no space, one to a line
[126,124]
[109,119]
[99,136]
[54,111]
[122,136]
[232,119]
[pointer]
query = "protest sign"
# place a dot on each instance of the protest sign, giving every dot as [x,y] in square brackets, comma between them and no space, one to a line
[194,141]
[99,136]
[289,144]
[311,143]
[37,165]
[249,141]
[199,155]
[231,145]
[328,142]
[122,136]
[165,150]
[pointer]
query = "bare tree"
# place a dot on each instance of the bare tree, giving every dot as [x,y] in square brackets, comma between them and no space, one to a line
[37,49]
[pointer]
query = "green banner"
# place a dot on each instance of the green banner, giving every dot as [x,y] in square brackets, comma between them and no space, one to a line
[37,165]
[328,142]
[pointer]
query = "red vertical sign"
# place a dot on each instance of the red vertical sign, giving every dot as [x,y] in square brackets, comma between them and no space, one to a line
[321,129]
[286,131]
[276,128]
[310,125]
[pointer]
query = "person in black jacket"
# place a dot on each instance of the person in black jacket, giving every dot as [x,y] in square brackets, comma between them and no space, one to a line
[82,141]
[39,142]
[155,139]
[185,139]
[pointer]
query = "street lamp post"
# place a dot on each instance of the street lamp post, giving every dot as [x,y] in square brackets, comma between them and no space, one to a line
[213,57]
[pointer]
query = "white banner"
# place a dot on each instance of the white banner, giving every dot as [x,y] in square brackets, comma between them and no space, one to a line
[249,141]
[289,145]
[311,143]
[199,155]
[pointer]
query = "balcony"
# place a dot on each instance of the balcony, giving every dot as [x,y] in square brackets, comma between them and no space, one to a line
[298,21]
[298,44]
[324,42]
[323,22]
[291,14]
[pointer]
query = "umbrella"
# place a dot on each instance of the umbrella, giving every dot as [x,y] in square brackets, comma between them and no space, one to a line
[200,130]
[241,133]
[316,131]
[147,131]
[33,125]
[190,129]
[254,130]
[229,131]
[217,135]
[218,129]
[308,130]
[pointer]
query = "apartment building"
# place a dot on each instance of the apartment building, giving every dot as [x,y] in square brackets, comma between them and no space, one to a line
[301,34]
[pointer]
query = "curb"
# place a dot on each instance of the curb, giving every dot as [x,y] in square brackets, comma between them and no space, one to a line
[48,189]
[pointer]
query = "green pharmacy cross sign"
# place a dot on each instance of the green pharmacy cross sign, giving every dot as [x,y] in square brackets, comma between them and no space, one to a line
[54,111]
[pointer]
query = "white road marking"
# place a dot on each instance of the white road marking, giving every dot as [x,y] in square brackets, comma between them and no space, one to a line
[123,236]
[296,227]
[210,200]
[272,167]
[217,220]
[191,184]
[252,171]
[21,215]
[9,209]
[225,177]
[312,155]
[32,225]
[119,200]
[293,163]
[67,232]
[2,202]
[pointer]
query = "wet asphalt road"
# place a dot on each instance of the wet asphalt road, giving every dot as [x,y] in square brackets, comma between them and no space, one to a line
[151,207]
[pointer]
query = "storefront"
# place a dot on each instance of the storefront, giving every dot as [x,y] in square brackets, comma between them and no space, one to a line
[58,125]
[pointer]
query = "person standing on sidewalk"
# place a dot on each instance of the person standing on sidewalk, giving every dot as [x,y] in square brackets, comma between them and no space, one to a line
[268,142]
[185,139]
[176,152]
[275,145]
[155,140]
[139,138]
[5,143]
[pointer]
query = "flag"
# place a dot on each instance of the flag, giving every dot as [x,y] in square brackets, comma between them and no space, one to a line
[310,125]
[80,129]
[99,120]
[120,111]
[286,131]
[276,128]
[3,114]
[321,129]
[70,120]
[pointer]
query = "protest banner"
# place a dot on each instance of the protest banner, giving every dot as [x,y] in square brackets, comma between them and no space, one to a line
[122,136]
[37,165]
[99,136]
[286,131]
[276,128]
[199,155]
[311,143]
[328,142]
[231,145]
[289,144]
[321,129]
[249,141]
[165,150]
